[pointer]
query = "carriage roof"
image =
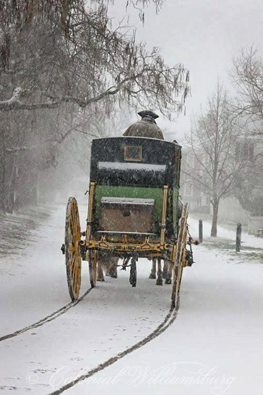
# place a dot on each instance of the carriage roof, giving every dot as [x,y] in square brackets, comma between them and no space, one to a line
[135,161]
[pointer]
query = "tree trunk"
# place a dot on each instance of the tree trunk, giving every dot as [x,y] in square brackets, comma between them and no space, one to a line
[215,205]
[2,177]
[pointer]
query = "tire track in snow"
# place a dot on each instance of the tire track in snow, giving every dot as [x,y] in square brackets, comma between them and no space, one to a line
[168,320]
[46,319]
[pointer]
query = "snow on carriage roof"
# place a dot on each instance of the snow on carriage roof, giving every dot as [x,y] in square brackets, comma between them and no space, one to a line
[136,137]
[131,166]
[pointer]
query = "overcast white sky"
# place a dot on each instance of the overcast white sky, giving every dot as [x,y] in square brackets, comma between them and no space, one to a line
[204,35]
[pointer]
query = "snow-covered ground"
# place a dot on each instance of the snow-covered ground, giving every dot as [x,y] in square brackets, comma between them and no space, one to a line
[215,346]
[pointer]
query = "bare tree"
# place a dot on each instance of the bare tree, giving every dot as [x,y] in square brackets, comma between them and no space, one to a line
[212,144]
[248,80]
[90,62]
[60,64]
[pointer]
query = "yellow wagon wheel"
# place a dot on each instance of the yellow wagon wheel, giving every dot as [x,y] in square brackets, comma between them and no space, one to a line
[72,248]
[180,256]
[92,257]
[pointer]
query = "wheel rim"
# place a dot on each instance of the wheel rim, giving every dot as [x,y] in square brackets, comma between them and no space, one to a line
[181,246]
[72,248]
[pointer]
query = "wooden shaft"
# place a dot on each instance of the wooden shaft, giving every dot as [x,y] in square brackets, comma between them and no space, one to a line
[164,212]
[90,210]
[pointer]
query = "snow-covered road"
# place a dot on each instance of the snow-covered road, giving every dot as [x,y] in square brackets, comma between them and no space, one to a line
[215,346]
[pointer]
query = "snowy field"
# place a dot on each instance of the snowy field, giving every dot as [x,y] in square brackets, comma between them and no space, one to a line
[215,346]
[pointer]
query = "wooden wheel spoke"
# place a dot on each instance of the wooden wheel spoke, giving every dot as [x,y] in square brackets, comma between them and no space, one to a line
[77,276]
[71,248]
[74,276]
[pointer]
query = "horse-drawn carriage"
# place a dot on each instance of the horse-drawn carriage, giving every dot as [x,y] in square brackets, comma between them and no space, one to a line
[133,211]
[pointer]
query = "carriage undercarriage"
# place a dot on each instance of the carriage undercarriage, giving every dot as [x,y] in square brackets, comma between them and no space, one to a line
[82,246]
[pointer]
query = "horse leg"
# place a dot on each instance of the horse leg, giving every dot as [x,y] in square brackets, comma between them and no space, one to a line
[153,270]
[113,268]
[165,269]
[168,279]
[159,280]
[100,276]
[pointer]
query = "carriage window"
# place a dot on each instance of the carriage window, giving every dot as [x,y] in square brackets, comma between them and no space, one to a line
[133,153]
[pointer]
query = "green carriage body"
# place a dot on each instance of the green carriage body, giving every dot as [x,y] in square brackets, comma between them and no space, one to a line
[129,174]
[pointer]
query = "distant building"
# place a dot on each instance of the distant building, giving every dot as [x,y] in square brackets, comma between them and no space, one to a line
[249,149]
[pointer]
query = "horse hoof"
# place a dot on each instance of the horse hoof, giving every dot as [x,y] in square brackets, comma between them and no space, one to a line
[152,276]
[100,279]
[159,282]
[168,281]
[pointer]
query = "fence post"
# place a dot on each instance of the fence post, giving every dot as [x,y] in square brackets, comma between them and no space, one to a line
[200,231]
[238,237]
